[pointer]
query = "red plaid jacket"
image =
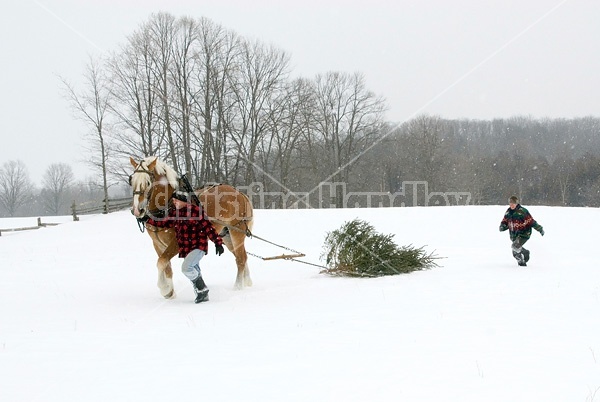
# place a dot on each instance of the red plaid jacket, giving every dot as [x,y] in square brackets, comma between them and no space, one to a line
[192,228]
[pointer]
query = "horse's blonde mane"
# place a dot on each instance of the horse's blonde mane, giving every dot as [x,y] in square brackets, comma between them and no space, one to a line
[162,168]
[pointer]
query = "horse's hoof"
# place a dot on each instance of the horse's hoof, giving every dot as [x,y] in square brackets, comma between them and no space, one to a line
[170,295]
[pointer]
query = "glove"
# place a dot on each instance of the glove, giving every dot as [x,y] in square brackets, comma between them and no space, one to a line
[219,249]
[542,231]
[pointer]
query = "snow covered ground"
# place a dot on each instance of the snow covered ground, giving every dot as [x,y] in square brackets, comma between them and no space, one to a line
[81,318]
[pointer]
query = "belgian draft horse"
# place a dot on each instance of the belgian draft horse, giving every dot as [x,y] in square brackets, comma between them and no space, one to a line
[229,210]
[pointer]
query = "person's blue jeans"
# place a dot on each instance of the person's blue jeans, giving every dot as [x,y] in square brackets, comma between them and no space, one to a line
[191,264]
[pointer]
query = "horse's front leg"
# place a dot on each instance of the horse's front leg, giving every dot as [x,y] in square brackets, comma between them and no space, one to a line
[165,245]
[165,278]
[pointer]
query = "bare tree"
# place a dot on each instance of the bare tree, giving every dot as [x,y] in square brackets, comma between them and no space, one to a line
[15,186]
[349,118]
[92,105]
[425,144]
[280,154]
[161,31]
[135,98]
[57,181]
[263,74]
[182,71]
[218,61]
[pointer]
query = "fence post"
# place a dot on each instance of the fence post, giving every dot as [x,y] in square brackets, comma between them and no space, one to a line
[40,222]
[74,210]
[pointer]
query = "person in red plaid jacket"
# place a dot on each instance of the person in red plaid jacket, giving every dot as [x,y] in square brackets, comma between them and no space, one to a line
[192,230]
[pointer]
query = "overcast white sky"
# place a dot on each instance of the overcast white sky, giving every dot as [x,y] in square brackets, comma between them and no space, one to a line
[461,58]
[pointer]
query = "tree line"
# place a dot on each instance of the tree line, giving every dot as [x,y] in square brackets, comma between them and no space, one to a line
[19,196]
[542,161]
[223,108]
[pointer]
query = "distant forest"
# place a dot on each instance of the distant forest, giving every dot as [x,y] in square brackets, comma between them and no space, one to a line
[223,108]
[542,161]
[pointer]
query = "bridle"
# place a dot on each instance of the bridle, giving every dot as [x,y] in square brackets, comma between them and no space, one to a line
[160,213]
[141,221]
[142,170]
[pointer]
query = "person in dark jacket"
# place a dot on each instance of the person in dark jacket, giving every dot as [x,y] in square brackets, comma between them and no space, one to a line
[192,230]
[519,222]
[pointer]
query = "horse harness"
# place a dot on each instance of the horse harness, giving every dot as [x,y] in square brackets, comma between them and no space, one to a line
[226,228]
[161,213]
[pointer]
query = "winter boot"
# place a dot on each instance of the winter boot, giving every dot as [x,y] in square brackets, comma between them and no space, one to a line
[520,258]
[200,289]
[525,255]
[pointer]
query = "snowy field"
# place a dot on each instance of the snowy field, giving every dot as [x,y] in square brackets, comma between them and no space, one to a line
[81,318]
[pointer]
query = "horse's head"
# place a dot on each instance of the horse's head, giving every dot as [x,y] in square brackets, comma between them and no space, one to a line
[153,182]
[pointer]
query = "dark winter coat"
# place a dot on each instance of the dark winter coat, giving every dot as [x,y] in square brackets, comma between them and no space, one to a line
[519,222]
[192,229]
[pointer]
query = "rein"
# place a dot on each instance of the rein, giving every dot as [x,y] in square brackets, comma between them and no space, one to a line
[142,223]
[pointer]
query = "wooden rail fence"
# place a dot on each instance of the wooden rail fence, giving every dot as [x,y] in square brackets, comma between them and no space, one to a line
[39,225]
[96,207]
[92,207]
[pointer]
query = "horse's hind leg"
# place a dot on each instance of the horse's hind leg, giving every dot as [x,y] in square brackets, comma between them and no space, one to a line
[226,236]
[247,279]
[241,259]
[243,274]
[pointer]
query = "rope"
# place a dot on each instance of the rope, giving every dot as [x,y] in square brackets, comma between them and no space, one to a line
[275,244]
[308,263]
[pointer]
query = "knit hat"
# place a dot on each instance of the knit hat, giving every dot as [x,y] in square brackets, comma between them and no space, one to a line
[513,200]
[181,196]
